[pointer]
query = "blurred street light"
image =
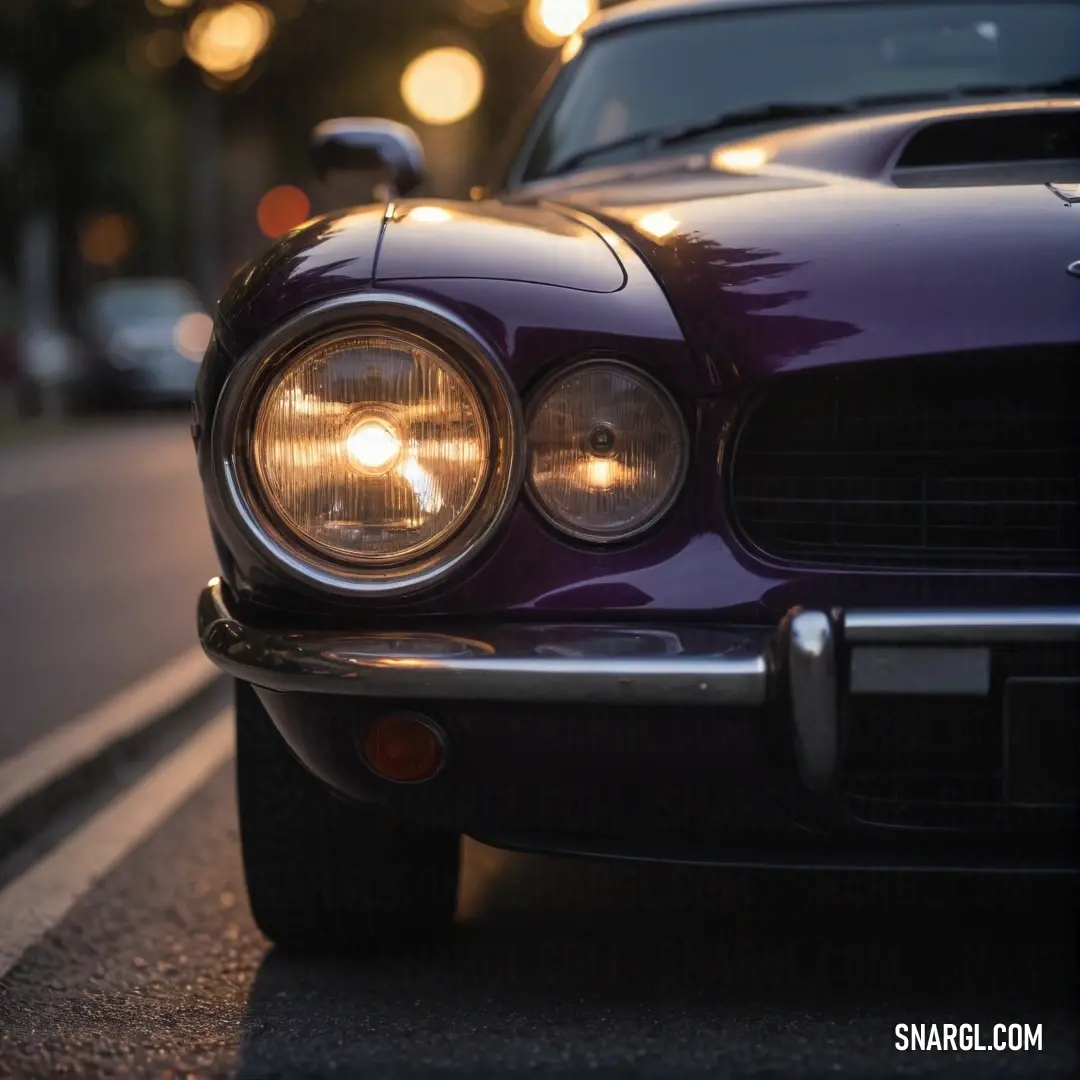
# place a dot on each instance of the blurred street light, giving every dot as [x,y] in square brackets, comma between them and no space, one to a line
[225,41]
[550,22]
[443,86]
[192,333]
[107,239]
[167,7]
[281,209]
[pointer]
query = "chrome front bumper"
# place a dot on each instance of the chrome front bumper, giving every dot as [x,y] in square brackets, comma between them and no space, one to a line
[810,660]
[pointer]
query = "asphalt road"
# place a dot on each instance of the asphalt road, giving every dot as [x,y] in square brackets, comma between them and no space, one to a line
[556,967]
[103,547]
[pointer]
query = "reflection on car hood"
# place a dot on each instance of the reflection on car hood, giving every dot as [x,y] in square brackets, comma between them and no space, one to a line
[809,246]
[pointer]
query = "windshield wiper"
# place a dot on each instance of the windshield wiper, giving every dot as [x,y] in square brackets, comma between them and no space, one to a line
[642,138]
[1005,89]
[1067,85]
[661,137]
[915,97]
[780,110]
[809,111]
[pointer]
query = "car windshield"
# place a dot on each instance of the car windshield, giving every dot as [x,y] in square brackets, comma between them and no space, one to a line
[633,91]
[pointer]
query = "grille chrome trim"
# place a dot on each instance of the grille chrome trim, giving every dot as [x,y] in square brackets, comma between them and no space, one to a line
[968,627]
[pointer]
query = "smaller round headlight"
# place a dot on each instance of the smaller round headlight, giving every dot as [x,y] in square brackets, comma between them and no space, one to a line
[607,451]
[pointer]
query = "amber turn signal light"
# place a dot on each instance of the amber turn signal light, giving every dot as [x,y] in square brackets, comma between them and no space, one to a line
[404,748]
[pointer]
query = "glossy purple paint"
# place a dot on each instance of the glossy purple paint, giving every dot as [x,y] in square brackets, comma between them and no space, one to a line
[330,256]
[505,243]
[730,279]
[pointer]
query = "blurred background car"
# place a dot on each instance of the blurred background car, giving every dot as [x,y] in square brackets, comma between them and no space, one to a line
[145,339]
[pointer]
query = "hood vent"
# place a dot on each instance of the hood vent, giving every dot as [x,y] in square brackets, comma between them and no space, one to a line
[1016,148]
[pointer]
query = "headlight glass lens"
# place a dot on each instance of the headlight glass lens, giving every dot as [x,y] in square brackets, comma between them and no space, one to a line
[607,451]
[372,448]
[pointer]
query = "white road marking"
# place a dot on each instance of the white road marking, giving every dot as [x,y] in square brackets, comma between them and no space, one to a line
[65,749]
[36,902]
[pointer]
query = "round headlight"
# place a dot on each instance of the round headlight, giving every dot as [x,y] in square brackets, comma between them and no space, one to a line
[371,448]
[607,451]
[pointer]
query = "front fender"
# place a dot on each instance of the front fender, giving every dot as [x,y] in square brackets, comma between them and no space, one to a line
[330,256]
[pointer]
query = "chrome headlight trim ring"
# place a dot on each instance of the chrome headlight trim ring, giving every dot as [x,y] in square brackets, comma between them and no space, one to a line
[536,396]
[238,488]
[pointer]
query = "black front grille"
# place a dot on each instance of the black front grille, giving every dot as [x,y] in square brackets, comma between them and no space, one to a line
[957,462]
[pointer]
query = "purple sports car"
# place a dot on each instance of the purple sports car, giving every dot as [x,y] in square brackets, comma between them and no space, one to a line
[705,489]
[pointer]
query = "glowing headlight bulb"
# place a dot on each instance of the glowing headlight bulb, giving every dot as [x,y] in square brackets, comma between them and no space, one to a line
[601,471]
[373,446]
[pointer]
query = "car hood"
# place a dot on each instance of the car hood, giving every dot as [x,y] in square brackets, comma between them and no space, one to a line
[818,245]
[438,239]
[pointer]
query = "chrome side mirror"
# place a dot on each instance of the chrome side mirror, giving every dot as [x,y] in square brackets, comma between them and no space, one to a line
[368,144]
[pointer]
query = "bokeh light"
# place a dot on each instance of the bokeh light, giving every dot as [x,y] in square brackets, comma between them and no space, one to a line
[281,209]
[224,41]
[107,239]
[443,86]
[192,333]
[551,22]
[167,6]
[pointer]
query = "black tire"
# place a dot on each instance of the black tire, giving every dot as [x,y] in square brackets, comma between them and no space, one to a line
[326,874]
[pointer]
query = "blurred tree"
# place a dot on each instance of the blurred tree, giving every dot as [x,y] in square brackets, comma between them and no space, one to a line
[124,134]
[113,116]
[55,47]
